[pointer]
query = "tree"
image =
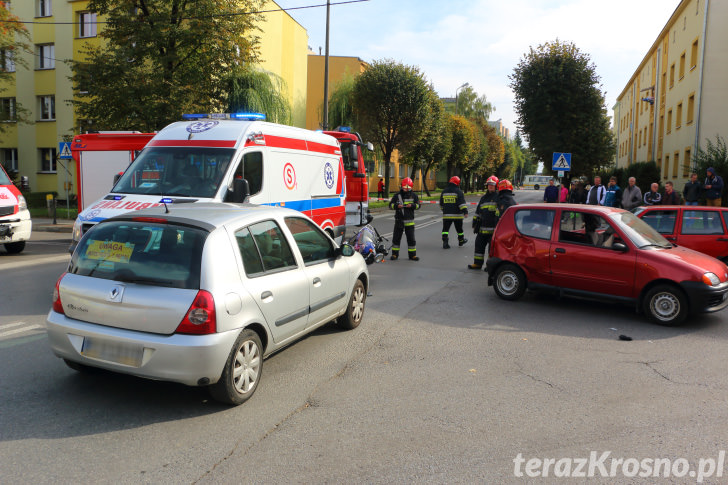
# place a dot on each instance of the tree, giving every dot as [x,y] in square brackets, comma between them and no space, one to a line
[393,105]
[257,90]
[714,155]
[472,106]
[14,38]
[341,103]
[463,143]
[162,58]
[560,106]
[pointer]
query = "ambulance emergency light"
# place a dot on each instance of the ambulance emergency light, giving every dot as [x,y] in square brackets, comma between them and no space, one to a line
[225,116]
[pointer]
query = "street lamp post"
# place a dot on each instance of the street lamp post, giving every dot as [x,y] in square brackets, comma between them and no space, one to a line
[457,107]
[326,71]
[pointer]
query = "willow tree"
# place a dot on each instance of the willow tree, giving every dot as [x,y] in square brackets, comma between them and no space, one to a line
[162,58]
[259,91]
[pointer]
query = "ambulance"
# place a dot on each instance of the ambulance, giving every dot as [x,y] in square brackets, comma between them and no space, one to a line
[235,158]
[15,225]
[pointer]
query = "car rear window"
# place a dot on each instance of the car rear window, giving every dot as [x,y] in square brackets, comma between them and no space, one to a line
[138,252]
[535,223]
[662,221]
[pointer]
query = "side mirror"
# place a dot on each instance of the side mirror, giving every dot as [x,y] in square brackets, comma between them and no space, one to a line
[117,176]
[354,152]
[241,191]
[346,249]
[621,247]
[370,147]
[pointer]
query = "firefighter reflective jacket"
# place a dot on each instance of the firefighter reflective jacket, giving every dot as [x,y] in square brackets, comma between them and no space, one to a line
[409,200]
[452,203]
[487,214]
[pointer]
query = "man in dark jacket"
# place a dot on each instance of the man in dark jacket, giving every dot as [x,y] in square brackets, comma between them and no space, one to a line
[484,221]
[577,195]
[597,193]
[713,188]
[670,197]
[692,190]
[551,193]
[653,197]
[454,210]
[404,203]
[632,195]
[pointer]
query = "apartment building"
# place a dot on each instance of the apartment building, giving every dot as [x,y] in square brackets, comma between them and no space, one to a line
[58,30]
[678,96]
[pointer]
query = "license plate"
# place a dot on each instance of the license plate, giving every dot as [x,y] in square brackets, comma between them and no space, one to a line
[110,351]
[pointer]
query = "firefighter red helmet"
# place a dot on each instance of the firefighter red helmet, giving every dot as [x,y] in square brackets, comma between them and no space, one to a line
[455,180]
[505,185]
[407,182]
[492,180]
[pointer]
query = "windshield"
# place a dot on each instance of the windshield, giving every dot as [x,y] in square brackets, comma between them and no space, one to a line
[4,179]
[176,171]
[638,231]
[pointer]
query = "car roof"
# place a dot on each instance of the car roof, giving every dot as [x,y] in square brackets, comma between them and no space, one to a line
[593,208]
[211,215]
[685,207]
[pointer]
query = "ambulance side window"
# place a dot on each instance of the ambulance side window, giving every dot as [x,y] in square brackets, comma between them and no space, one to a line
[252,171]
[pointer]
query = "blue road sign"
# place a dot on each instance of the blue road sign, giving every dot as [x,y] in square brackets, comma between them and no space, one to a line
[561,161]
[64,150]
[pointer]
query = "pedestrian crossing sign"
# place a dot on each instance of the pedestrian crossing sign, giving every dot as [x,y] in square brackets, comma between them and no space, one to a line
[561,161]
[64,150]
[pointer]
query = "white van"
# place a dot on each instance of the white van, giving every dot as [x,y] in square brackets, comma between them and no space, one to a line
[15,225]
[231,158]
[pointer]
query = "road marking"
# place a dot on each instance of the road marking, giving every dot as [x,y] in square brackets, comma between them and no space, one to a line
[16,324]
[19,330]
[33,262]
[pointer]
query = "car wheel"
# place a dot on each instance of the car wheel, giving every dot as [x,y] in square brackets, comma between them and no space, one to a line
[355,310]
[536,187]
[243,370]
[666,305]
[15,248]
[509,282]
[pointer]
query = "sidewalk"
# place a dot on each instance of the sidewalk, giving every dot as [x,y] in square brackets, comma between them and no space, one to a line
[41,224]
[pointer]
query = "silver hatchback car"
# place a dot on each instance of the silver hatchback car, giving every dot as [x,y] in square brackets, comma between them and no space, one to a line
[200,294]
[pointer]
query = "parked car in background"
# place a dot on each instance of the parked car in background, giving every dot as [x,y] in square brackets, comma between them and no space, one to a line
[201,293]
[602,253]
[701,228]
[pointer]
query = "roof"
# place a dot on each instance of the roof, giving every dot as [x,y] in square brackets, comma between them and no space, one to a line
[593,208]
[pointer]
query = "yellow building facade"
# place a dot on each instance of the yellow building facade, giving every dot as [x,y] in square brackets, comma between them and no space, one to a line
[58,30]
[678,96]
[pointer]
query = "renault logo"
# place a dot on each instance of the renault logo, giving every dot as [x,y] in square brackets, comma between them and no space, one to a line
[116,294]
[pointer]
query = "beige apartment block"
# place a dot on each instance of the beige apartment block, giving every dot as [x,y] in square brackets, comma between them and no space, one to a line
[678,96]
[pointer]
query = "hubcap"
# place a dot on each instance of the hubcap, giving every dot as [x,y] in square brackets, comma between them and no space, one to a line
[247,367]
[508,282]
[665,306]
[357,304]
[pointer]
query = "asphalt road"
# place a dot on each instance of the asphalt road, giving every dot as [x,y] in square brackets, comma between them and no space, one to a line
[441,383]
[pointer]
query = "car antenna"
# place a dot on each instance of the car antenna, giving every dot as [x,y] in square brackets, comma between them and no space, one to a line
[166,209]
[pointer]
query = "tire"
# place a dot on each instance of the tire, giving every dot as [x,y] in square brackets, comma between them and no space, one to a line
[15,248]
[242,372]
[536,187]
[509,282]
[355,309]
[665,305]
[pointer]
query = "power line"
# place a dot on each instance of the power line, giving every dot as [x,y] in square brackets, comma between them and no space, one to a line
[232,14]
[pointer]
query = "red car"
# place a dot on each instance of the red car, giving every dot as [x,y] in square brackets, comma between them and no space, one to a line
[602,253]
[696,227]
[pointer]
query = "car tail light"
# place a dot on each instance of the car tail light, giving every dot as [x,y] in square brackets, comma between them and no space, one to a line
[155,220]
[57,304]
[200,317]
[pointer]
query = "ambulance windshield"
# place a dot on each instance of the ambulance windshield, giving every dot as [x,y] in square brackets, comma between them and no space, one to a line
[176,171]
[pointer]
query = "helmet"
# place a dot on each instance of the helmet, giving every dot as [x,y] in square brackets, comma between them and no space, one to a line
[505,185]
[455,180]
[492,180]
[407,182]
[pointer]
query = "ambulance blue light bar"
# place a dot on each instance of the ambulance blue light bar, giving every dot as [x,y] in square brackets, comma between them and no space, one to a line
[344,129]
[225,116]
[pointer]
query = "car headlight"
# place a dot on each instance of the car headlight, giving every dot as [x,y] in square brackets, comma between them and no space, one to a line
[22,205]
[711,279]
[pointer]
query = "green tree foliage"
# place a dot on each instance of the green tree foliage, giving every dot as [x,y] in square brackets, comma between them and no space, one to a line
[472,106]
[260,91]
[645,173]
[560,106]
[713,155]
[393,105]
[162,58]
[14,39]
[464,142]
[341,104]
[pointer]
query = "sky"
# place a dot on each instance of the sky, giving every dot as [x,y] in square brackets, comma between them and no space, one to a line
[481,41]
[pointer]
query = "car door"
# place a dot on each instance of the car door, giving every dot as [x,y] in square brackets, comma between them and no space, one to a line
[272,276]
[704,231]
[583,257]
[327,276]
[663,221]
[532,251]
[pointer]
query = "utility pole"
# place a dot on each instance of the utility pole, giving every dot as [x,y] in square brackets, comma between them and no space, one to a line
[326,71]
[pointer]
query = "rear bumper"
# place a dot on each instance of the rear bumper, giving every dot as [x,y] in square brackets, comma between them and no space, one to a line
[15,228]
[705,299]
[186,359]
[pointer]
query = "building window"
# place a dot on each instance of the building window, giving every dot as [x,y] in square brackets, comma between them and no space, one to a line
[391,170]
[672,75]
[7,57]
[659,163]
[47,159]
[666,167]
[43,8]
[682,65]
[694,55]
[10,159]
[87,24]
[675,164]
[47,108]
[678,116]
[7,109]
[686,163]
[669,121]
[45,55]
[691,108]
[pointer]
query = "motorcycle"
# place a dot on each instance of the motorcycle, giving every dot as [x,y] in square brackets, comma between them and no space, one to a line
[370,244]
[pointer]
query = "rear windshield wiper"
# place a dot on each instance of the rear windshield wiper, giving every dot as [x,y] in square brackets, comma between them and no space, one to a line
[146,281]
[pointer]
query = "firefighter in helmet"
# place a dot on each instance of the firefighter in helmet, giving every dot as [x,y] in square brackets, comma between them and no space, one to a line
[454,210]
[484,221]
[505,196]
[404,203]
